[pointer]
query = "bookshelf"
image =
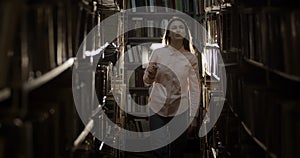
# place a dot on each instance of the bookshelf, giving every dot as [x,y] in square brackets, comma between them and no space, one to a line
[36,92]
[261,91]
[257,50]
[101,73]
[219,57]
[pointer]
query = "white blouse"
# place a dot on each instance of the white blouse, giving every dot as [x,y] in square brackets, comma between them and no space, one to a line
[176,85]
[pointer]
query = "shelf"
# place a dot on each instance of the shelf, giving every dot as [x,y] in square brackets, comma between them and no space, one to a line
[155,14]
[229,64]
[4,93]
[139,40]
[138,89]
[264,147]
[257,141]
[212,45]
[231,109]
[287,76]
[265,9]
[248,131]
[139,114]
[217,8]
[132,66]
[255,63]
[277,72]
[93,7]
[35,83]
[212,9]
[213,75]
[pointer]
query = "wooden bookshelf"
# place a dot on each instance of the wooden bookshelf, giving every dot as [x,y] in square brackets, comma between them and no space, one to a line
[229,64]
[287,76]
[138,88]
[273,90]
[154,15]
[277,72]
[138,40]
[255,63]
[250,134]
[35,83]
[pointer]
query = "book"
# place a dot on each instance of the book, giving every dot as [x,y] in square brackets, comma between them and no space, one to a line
[145,56]
[163,25]
[141,5]
[138,127]
[131,78]
[129,103]
[130,54]
[143,126]
[150,28]
[138,24]
[185,6]
[277,58]
[196,7]
[51,38]
[152,5]
[133,5]
[61,43]
[140,55]
[135,54]
[178,5]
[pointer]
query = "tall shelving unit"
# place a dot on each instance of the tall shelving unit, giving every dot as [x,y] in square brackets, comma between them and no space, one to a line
[265,30]
[105,81]
[217,56]
[261,97]
[36,67]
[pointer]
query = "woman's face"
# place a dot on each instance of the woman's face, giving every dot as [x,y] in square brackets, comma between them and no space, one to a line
[177,30]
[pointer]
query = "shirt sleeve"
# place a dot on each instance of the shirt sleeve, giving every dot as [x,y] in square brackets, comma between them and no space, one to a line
[194,88]
[146,77]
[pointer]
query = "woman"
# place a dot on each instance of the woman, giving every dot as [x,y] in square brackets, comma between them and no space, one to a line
[174,74]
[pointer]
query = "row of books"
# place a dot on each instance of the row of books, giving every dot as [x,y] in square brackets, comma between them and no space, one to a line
[38,41]
[135,78]
[219,28]
[187,6]
[37,135]
[210,61]
[272,39]
[139,126]
[254,3]
[138,54]
[134,103]
[271,117]
[103,80]
[50,33]
[225,31]
[213,28]
[146,27]
[268,113]
[233,88]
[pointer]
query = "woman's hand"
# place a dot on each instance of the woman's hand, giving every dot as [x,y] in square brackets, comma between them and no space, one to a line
[152,69]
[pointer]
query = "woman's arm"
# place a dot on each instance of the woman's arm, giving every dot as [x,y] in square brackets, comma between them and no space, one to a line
[151,69]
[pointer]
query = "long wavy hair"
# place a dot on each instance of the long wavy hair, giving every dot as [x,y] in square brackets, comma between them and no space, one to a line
[187,41]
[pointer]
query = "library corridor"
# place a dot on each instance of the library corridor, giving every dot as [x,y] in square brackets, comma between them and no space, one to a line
[149,79]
